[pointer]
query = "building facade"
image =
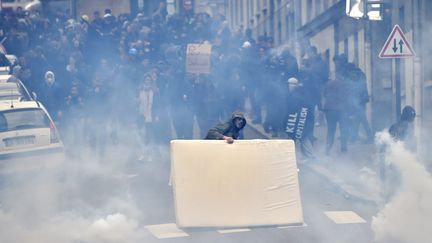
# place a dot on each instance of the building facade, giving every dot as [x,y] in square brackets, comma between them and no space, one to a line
[324,24]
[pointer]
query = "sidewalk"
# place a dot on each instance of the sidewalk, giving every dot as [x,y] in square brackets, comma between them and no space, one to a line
[356,172]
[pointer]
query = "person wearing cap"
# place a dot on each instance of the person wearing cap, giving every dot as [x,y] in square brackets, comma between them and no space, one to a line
[229,130]
[85,18]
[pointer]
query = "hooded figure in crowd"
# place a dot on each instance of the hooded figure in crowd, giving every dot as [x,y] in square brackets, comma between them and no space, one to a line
[50,94]
[228,130]
[403,130]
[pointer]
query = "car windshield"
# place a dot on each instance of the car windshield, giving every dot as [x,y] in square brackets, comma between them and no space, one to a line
[23,119]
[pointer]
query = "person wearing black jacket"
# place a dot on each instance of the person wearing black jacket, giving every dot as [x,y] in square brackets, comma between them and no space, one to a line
[299,117]
[229,130]
[401,131]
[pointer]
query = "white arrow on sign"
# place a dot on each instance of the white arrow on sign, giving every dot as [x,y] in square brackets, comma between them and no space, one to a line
[396,45]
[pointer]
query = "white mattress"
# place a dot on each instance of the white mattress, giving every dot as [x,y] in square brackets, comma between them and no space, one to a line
[248,183]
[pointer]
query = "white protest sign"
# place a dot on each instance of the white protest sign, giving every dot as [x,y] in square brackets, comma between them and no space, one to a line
[198,58]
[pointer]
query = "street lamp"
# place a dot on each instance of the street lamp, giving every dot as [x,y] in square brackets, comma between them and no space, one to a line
[373,8]
[354,9]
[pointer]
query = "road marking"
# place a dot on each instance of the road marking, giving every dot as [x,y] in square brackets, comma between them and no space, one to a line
[164,231]
[229,231]
[125,176]
[345,217]
[292,226]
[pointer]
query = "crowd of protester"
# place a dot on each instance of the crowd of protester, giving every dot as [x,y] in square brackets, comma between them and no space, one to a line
[103,72]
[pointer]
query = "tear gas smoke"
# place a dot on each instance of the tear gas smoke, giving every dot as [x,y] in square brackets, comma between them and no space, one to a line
[82,201]
[406,217]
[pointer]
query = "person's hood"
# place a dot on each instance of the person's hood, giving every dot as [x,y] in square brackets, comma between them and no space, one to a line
[238,114]
[49,80]
[408,114]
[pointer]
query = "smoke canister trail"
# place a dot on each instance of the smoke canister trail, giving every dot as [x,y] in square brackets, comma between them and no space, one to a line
[406,216]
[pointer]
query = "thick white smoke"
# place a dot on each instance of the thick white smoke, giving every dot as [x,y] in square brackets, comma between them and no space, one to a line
[406,216]
[83,201]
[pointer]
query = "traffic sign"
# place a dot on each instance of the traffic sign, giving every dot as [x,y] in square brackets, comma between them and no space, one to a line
[396,45]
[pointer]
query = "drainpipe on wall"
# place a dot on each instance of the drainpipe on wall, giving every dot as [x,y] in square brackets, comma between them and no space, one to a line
[297,25]
[418,75]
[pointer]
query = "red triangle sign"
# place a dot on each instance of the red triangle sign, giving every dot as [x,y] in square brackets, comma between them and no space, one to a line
[396,45]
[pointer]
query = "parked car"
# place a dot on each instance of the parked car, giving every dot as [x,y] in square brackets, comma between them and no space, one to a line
[4,70]
[26,129]
[5,78]
[12,89]
[12,59]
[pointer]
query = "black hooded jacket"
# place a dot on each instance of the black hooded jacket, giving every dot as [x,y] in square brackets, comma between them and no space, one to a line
[226,128]
[403,129]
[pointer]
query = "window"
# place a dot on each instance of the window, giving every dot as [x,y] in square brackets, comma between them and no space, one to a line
[309,10]
[325,4]
[318,4]
[23,119]
[356,49]
[241,12]
[252,7]
[346,47]
[170,6]
[402,18]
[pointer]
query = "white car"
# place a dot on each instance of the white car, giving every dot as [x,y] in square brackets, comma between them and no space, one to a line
[4,77]
[4,70]
[13,90]
[12,59]
[26,129]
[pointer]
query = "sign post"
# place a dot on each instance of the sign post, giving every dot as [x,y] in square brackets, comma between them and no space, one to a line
[397,47]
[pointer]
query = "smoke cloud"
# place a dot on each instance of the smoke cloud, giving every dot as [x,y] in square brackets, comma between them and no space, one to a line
[79,200]
[406,216]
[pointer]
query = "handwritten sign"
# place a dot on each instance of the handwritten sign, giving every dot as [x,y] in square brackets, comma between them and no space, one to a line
[198,58]
[296,123]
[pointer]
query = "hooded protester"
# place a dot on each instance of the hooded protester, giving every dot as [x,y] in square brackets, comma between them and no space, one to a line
[403,130]
[229,130]
[50,95]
